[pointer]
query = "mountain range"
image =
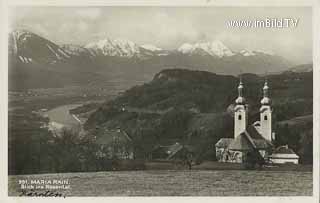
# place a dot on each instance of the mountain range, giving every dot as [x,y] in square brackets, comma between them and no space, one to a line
[36,62]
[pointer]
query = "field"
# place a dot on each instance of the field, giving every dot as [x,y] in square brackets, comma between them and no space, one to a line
[179,183]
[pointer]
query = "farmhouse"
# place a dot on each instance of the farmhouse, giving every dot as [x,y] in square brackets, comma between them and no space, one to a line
[249,140]
[114,144]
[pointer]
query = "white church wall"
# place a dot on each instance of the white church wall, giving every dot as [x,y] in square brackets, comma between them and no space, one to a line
[240,120]
[265,122]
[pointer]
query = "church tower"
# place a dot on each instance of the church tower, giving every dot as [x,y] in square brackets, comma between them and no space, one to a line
[240,112]
[266,114]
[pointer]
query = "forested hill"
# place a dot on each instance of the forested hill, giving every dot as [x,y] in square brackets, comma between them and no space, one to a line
[195,107]
[206,92]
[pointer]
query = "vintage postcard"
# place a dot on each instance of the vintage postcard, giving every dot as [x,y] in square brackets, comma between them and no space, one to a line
[162,100]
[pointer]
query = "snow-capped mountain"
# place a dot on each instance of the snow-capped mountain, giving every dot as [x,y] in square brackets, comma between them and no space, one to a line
[246,52]
[214,48]
[36,56]
[30,48]
[72,49]
[129,49]
[151,47]
[78,51]
[117,47]
[150,50]
[124,48]
[36,62]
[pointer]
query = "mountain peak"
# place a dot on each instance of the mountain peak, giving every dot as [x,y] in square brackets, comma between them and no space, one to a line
[246,52]
[19,32]
[151,47]
[214,48]
[116,47]
[29,47]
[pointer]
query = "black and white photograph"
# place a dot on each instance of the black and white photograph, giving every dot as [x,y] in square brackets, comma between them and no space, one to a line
[160,101]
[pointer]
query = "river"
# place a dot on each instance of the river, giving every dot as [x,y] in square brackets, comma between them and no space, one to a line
[60,116]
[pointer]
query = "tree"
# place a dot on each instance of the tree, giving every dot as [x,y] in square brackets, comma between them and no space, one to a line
[66,151]
[306,150]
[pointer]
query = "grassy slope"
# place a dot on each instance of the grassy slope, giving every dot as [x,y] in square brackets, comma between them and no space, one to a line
[180,183]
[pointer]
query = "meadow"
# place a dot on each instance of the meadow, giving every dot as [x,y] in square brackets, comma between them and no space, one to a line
[179,183]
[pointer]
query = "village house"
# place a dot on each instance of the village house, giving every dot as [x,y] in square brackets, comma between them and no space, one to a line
[255,139]
[284,154]
[114,144]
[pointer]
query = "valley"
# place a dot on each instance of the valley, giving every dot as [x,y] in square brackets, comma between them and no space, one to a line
[163,101]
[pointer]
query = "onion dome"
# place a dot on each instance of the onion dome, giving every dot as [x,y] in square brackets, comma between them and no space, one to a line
[265,100]
[240,99]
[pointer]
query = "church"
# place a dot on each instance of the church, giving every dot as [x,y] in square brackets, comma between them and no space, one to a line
[248,139]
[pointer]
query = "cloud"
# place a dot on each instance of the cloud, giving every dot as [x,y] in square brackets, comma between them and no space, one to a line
[90,13]
[41,29]
[82,26]
[167,27]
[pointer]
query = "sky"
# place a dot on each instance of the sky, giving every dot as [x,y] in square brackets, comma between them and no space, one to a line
[170,27]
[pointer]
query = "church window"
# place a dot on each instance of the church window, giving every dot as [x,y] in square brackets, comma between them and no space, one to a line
[239,117]
[265,118]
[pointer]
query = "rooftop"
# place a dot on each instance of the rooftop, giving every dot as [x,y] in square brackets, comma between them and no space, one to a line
[110,136]
[284,150]
[247,140]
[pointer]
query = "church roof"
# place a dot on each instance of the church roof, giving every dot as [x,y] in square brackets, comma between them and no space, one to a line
[247,140]
[256,139]
[224,142]
[262,143]
[111,136]
[241,143]
[253,132]
[172,150]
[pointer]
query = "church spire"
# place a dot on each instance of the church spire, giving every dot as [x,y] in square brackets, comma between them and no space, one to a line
[265,88]
[240,111]
[240,87]
[266,100]
[240,99]
[266,114]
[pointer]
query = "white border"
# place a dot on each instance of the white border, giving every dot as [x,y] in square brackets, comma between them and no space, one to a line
[4,94]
